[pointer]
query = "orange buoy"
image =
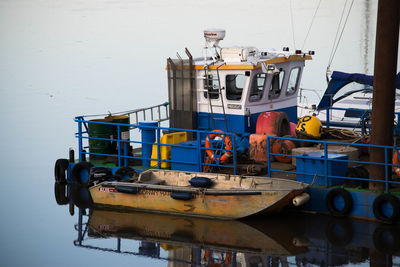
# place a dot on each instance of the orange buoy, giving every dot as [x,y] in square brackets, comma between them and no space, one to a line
[228,146]
[258,147]
[273,123]
[283,147]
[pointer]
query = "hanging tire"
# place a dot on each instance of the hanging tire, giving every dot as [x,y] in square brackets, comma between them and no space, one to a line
[60,193]
[124,172]
[339,232]
[378,208]
[80,196]
[387,239]
[60,169]
[330,202]
[76,172]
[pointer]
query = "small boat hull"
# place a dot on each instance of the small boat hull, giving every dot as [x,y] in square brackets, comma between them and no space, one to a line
[199,202]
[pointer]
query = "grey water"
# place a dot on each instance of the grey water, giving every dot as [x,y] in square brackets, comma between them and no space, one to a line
[60,59]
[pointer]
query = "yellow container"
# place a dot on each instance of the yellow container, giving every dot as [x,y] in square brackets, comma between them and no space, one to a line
[165,151]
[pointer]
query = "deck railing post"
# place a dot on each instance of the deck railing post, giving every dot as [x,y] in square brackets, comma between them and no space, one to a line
[125,152]
[200,167]
[158,149]
[268,157]
[326,162]
[327,116]
[386,171]
[119,145]
[80,139]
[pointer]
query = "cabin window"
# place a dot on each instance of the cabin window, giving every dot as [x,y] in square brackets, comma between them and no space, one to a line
[257,87]
[293,81]
[234,86]
[276,85]
[211,86]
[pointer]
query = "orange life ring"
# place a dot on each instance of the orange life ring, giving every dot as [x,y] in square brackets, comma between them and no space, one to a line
[228,146]
[396,161]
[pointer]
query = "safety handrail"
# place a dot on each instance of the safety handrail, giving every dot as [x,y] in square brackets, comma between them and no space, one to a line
[136,112]
[123,158]
[325,158]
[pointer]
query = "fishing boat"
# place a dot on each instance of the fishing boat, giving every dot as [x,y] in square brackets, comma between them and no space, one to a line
[232,113]
[174,192]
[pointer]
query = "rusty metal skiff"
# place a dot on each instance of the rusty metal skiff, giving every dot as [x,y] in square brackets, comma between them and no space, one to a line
[229,197]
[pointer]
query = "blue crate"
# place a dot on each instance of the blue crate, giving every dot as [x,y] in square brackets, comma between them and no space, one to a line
[314,163]
[185,158]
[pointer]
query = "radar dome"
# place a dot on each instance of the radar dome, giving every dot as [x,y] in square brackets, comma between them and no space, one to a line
[213,36]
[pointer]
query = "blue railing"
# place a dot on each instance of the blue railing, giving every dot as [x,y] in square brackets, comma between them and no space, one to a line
[199,149]
[325,158]
[122,154]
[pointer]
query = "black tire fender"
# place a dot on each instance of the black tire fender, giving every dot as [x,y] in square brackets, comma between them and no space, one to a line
[378,205]
[179,195]
[60,193]
[60,168]
[330,202]
[127,189]
[81,197]
[76,172]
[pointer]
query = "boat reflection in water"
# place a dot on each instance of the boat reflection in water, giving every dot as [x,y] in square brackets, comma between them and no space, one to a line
[287,239]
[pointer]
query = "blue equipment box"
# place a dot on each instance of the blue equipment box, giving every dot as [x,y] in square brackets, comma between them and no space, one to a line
[186,158]
[313,163]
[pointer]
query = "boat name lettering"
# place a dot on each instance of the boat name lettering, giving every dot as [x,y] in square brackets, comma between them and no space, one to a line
[107,190]
[154,192]
[234,106]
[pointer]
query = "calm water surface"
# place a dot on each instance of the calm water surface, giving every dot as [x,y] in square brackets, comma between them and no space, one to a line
[60,59]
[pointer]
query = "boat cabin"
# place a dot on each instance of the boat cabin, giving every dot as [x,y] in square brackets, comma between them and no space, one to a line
[229,87]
